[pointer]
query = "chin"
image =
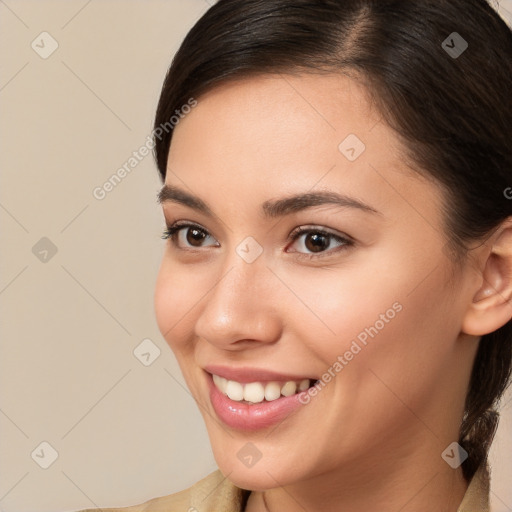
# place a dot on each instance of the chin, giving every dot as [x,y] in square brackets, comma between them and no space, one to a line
[264,474]
[253,479]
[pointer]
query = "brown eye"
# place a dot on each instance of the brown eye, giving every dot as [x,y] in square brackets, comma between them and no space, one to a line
[313,242]
[187,235]
[195,236]
[316,242]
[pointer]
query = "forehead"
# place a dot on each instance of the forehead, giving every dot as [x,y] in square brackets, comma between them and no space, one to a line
[279,108]
[282,134]
[289,118]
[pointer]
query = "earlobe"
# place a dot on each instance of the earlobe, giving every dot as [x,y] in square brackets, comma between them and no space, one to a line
[491,306]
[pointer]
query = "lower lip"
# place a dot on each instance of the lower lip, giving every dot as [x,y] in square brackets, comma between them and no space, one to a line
[243,416]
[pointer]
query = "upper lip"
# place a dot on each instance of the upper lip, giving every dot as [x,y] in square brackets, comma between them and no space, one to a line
[248,374]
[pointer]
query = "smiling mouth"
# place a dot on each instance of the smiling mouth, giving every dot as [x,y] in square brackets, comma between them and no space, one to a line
[258,392]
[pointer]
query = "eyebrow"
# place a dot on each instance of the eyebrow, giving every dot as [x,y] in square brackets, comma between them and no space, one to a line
[271,208]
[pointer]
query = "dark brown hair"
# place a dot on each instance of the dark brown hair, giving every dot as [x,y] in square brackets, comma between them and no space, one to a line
[453,113]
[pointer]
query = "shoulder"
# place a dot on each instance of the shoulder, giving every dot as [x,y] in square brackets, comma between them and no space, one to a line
[211,494]
[477,496]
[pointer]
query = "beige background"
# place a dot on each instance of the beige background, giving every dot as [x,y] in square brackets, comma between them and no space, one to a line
[124,432]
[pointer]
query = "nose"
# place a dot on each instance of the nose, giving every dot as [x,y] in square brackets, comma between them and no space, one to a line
[242,309]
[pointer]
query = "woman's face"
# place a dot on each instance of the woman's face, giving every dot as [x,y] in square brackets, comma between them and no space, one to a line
[361,301]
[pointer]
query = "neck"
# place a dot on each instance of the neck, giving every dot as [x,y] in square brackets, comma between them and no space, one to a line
[411,484]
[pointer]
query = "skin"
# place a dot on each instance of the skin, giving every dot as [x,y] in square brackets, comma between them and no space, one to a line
[372,438]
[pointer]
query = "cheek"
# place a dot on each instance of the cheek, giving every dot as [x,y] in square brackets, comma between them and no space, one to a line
[392,313]
[403,341]
[391,343]
[334,308]
[173,303]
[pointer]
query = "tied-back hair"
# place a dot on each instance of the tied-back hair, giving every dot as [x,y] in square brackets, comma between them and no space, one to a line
[452,112]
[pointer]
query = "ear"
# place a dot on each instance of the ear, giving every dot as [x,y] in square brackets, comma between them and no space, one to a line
[491,307]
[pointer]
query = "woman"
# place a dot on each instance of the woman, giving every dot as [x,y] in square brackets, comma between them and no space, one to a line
[337,279]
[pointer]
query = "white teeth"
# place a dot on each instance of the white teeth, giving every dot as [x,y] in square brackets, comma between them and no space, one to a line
[220,382]
[235,390]
[272,391]
[304,384]
[289,388]
[256,392]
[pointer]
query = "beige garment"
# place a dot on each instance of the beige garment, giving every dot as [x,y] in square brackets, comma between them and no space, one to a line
[215,493]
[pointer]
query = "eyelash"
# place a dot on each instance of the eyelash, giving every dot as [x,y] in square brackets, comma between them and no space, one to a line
[173,230]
